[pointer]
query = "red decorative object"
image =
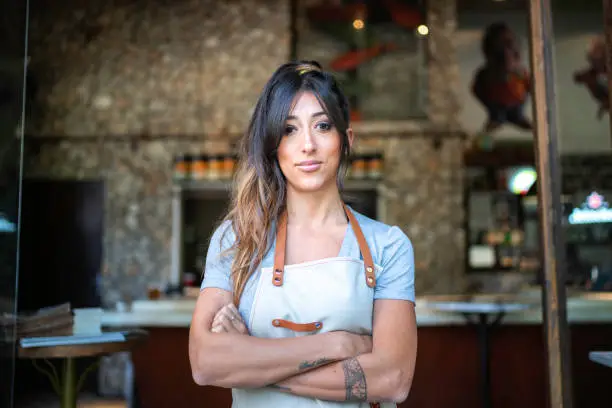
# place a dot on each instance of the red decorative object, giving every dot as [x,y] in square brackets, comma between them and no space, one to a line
[502,84]
[352,59]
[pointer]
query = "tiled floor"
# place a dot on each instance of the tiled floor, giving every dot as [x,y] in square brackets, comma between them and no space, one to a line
[85,401]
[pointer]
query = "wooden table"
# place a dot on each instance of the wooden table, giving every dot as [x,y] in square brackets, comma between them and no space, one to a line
[484,315]
[601,357]
[67,385]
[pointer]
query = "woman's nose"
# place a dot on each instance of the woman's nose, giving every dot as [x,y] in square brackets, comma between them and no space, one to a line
[309,142]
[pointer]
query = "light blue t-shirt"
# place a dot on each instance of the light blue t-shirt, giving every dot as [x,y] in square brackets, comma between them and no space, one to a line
[390,247]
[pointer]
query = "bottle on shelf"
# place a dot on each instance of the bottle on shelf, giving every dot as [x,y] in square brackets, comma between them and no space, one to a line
[199,167]
[182,167]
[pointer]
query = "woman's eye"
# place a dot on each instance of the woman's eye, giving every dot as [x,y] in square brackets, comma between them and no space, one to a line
[289,129]
[324,126]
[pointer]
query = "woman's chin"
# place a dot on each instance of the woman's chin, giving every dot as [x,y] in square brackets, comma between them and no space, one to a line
[312,185]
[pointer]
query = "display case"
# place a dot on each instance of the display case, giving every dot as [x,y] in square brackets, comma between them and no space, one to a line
[496,219]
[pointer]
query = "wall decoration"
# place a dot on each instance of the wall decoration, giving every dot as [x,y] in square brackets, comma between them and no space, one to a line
[594,210]
[502,84]
[594,76]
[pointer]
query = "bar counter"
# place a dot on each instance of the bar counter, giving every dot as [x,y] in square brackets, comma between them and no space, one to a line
[447,371]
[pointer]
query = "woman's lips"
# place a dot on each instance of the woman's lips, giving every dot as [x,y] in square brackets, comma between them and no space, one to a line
[309,166]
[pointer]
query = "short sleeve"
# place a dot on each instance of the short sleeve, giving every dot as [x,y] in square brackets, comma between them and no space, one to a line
[396,279]
[219,261]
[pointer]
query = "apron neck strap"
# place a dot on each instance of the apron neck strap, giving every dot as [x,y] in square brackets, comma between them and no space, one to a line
[281,241]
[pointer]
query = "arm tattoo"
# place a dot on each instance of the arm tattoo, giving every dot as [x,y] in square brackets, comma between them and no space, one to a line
[307,365]
[354,381]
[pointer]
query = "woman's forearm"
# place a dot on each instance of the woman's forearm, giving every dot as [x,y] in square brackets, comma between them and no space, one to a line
[363,378]
[238,361]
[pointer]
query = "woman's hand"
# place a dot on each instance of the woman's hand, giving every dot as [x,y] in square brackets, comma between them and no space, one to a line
[228,320]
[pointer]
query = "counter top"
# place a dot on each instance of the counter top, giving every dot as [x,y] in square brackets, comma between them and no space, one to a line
[582,308]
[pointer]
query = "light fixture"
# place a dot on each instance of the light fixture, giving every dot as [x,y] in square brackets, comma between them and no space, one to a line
[422,30]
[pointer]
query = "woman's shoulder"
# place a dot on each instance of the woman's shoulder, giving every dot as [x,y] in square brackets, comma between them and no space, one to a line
[384,240]
[223,237]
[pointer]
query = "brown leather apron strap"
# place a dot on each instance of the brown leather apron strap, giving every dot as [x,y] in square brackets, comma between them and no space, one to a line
[281,240]
[279,251]
[297,327]
[363,248]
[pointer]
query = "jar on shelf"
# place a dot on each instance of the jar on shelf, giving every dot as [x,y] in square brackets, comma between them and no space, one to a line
[229,164]
[199,167]
[358,167]
[375,166]
[215,167]
[181,167]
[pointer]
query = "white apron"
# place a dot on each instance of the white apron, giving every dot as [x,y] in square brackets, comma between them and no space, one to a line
[308,298]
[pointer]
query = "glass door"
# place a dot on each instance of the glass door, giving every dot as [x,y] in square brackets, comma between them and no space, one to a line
[13,63]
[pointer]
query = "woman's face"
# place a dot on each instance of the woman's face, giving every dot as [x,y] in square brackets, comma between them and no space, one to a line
[309,152]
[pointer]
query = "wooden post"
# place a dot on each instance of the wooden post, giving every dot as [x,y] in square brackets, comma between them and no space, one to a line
[554,312]
[607,12]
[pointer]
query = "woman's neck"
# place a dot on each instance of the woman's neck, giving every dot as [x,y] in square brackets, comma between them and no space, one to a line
[315,208]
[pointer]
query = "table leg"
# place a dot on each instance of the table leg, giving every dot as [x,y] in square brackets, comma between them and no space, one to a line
[485,379]
[69,384]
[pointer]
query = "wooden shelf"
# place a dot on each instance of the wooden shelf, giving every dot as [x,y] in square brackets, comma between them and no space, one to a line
[224,186]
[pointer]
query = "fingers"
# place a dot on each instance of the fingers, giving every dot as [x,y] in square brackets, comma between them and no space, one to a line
[240,326]
[228,320]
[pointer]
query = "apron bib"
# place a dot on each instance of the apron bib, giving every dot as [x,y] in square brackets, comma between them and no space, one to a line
[307,298]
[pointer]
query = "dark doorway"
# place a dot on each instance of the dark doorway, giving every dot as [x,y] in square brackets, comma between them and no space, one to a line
[61,253]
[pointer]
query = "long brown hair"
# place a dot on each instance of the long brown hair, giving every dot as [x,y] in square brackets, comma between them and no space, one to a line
[259,193]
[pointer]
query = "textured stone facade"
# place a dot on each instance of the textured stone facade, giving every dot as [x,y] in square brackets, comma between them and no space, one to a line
[422,191]
[156,67]
[131,70]
[443,69]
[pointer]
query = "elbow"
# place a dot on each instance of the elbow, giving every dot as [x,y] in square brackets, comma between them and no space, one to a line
[201,376]
[398,386]
[202,365]
[209,371]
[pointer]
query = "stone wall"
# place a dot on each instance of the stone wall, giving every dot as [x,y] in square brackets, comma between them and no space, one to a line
[156,67]
[138,217]
[443,69]
[131,70]
[422,191]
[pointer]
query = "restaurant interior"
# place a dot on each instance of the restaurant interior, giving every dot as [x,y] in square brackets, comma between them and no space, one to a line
[119,127]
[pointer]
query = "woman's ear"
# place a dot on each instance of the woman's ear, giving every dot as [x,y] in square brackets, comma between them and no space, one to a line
[350,136]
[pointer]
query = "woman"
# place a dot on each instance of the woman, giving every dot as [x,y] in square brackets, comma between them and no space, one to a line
[304,302]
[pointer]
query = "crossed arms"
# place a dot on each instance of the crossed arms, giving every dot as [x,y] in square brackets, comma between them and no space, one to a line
[335,366]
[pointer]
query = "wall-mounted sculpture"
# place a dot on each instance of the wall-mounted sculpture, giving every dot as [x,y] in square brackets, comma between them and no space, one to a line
[502,84]
[594,76]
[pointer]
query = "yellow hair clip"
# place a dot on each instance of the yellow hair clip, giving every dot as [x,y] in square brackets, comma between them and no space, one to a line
[303,69]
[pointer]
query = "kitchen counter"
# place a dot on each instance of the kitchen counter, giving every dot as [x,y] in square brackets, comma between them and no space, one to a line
[582,308]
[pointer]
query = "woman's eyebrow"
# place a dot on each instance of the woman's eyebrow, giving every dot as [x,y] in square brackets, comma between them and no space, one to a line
[314,115]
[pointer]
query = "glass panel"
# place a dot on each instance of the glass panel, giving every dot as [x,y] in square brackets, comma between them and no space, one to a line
[12,64]
[376,49]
